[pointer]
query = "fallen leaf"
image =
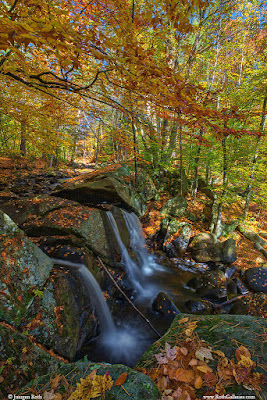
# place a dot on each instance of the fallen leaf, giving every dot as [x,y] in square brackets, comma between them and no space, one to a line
[210,379]
[55,382]
[161,358]
[204,368]
[242,351]
[219,353]
[184,351]
[184,375]
[198,382]
[193,362]
[121,379]
[203,353]
[171,353]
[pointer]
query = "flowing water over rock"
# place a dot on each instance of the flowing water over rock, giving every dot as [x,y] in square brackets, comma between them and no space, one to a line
[116,344]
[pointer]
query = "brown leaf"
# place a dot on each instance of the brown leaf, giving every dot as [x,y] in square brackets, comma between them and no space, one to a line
[204,368]
[203,353]
[121,379]
[242,351]
[184,351]
[55,382]
[210,379]
[193,362]
[184,375]
[198,382]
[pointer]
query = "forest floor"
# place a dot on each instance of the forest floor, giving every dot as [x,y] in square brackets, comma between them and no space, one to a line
[12,169]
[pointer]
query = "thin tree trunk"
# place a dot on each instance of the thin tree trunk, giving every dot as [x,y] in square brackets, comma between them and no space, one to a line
[254,161]
[218,222]
[23,142]
[195,181]
[181,161]
[135,153]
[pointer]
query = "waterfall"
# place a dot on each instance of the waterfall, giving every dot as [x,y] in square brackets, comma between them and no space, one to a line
[132,269]
[145,259]
[96,295]
[118,344]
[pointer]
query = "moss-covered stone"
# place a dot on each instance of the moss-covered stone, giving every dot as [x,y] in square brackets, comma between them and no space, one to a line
[21,361]
[62,317]
[137,386]
[24,268]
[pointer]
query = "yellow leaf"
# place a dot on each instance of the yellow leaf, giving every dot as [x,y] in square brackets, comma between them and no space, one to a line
[198,382]
[24,350]
[204,368]
[219,353]
[183,320]
[91,388]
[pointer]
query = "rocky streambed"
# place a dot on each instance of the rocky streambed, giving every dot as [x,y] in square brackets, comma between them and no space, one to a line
[47,307]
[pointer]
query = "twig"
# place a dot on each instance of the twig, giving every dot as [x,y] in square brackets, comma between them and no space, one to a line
[218,306]
[126,297]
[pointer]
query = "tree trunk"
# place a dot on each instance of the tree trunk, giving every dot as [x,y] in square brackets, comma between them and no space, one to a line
[254,161]
[23,142]
[181,161]
[195,181]
[218,223]
[135,153]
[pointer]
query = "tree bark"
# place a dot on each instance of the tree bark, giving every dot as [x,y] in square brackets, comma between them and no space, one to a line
[23,142]
[254,161]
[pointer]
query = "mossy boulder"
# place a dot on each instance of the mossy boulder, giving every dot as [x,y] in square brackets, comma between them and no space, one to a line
[89,224]
[137,386]
[24,268]
[63,317]
[102,189]
[174,207]
[21,360]
[20,210]
[221,332]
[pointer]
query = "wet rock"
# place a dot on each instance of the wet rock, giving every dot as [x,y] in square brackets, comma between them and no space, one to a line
[165,306]
[204,249]
[231,288]
[229,251]
[256,279]
[190,265]
[199,307]
[89,224]
[137,386]
[230,271]
[62,317]
[211,285]
[252,304]
[20,366]
[175,206]
[182,240]
[241,288]
[24,268]
[201,241]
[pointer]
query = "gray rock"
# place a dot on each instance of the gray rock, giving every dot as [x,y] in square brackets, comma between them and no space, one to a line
[175,206]
[24,268]
[137,386]
[165,306]
[256,279]
[229,251]
[211,285]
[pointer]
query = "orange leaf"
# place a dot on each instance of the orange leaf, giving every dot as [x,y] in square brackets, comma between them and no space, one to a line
[183,320]
[193,362]
[184,375]
[55,382]
[242,351]
[121,379]
[198,382]
[204,368]
[184,351]
[210,379]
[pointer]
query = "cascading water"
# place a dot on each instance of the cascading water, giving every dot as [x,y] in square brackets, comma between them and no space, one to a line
[117,344]
[145,259]
[132,269]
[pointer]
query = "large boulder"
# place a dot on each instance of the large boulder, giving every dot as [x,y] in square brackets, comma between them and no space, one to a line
[256,279]
[251,304]
[24,269]
[205,249]
[62,317]
[137,386]
[174,207]
[101,189]
[21,360]
[89,224]
[211,285]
